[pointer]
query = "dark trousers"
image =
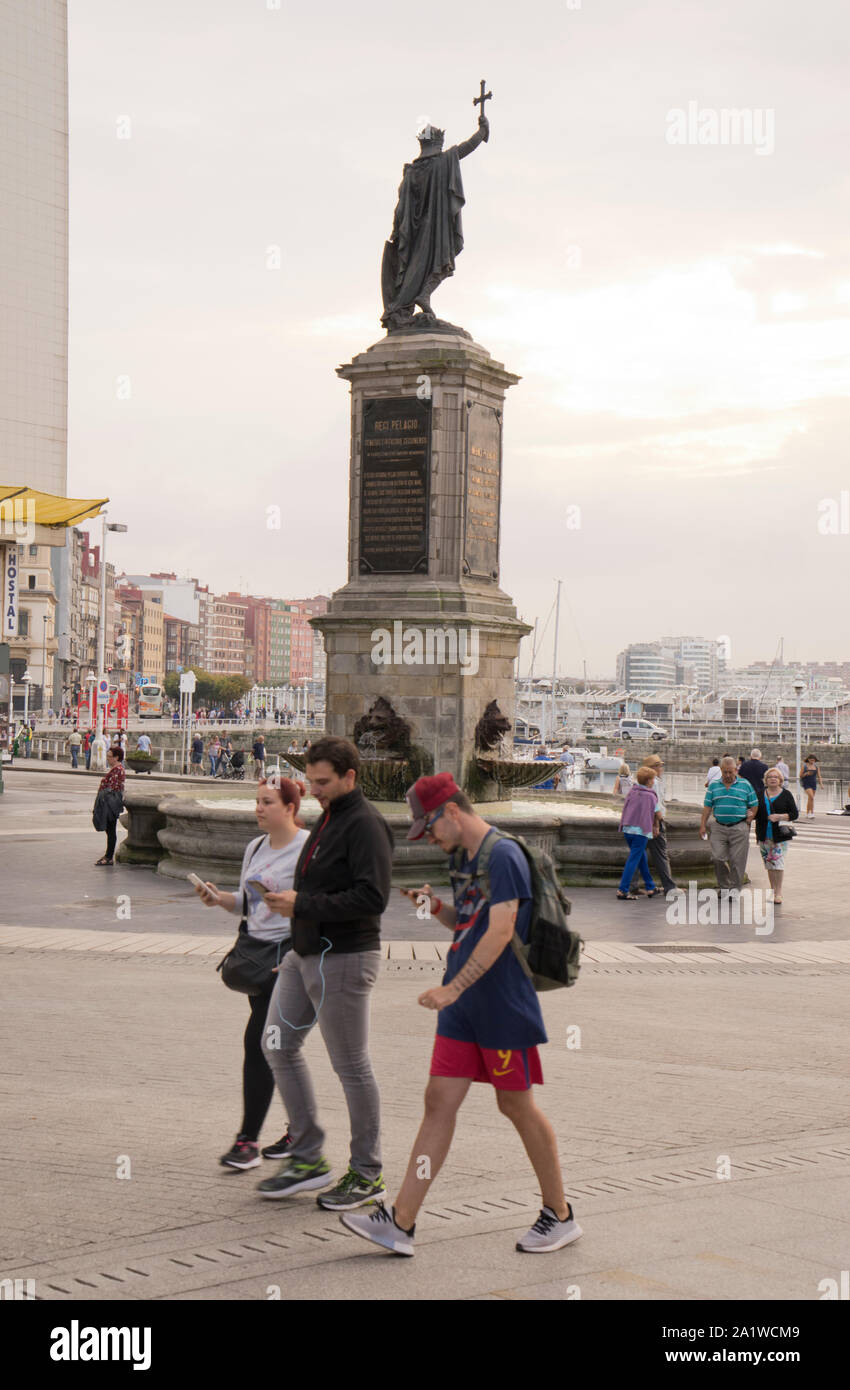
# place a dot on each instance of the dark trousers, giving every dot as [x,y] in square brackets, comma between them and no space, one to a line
[657,851]
[257,1078]
[111,837]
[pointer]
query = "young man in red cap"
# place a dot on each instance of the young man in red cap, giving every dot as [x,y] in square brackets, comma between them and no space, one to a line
[489,1023]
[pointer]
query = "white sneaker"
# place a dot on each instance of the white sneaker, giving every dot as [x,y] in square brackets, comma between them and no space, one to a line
[810,815]
[548,1233]
[375,1223]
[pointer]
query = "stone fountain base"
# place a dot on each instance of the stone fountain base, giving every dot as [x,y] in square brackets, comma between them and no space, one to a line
[185,834]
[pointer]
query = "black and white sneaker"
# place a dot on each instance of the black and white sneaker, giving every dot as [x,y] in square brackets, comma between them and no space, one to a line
[244,1154]
[548,1233]
[278,1150]
[376,1224]
[352,1191]
[295,1176]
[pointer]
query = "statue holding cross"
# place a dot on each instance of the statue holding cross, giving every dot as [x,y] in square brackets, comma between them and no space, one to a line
[427,234]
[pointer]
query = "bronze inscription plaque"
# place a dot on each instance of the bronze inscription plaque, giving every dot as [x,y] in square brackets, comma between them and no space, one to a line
[394,485]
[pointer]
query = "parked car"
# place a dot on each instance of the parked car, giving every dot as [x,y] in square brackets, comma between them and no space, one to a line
[641,728]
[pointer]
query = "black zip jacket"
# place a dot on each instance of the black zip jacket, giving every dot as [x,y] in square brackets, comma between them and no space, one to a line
[343,877]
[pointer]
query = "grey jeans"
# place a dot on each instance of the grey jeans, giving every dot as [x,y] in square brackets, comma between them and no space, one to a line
[338,989]
[729,845]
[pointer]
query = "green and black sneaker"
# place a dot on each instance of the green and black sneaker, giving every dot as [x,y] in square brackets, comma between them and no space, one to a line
[352,1191]
[294,1176]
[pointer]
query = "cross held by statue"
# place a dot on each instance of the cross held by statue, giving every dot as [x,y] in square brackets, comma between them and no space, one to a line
[480,100]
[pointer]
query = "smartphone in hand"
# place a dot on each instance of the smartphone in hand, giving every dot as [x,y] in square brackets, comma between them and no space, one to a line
[259,887]
[199,883]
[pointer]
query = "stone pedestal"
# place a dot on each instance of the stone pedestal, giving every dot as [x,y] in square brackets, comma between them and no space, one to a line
[422,620]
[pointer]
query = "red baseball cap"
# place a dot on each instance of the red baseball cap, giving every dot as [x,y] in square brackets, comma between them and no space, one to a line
[426,794]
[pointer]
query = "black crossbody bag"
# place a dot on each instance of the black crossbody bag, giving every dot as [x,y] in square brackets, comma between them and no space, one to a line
[248,967]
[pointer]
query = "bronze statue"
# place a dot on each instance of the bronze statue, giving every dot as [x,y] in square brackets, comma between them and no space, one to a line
[491,728]
[381,730]
[427,235]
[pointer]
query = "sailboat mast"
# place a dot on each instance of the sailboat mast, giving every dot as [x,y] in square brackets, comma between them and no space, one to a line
[555,655]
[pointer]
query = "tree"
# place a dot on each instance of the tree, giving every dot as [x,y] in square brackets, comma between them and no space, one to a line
[231,688]
[210,689]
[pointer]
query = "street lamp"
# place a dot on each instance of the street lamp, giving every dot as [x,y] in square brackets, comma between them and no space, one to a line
[98,755]
[91,682]
[26,682]
[799,687]
[45,620]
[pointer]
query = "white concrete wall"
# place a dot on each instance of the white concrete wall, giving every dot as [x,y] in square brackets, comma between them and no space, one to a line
[34,244]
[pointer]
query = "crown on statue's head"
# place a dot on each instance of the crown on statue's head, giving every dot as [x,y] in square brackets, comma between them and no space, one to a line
[429,134]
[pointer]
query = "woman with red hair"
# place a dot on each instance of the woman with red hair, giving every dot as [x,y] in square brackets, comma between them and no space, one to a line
[268,868]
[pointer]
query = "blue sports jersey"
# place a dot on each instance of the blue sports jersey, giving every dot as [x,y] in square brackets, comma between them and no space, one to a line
[501,1009]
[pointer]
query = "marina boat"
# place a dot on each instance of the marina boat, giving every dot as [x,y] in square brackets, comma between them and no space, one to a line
[601,762]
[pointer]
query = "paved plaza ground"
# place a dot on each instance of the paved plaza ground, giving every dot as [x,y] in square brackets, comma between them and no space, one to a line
[120,1044]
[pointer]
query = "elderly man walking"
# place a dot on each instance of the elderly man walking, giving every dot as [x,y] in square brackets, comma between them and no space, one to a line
[734,803]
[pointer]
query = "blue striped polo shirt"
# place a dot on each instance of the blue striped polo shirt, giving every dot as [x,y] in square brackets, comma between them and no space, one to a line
[730,803]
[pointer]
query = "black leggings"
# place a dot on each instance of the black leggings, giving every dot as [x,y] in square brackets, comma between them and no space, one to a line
[111,837]
[257,1080]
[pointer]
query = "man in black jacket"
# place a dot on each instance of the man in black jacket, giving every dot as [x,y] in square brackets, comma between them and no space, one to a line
[752,769]
[341,887]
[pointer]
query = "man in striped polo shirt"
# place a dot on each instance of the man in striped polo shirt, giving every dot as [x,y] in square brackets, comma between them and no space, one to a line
[734,804]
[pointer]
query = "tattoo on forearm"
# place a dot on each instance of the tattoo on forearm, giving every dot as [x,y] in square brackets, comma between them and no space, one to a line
[472,971]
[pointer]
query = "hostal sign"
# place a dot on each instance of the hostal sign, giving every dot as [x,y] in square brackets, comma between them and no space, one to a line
[9,556]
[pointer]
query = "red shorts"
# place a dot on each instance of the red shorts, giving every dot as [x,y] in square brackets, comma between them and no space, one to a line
[514,1069]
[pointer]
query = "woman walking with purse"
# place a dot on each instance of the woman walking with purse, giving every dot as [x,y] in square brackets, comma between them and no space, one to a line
[775,809]
[268,868]
[109,803]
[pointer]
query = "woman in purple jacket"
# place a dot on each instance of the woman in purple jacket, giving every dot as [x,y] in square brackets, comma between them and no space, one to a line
[637,823]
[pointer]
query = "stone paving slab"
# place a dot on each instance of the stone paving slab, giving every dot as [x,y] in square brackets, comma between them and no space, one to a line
[430,954]
[139,1056]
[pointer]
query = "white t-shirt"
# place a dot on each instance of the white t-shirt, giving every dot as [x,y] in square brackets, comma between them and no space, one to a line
[275,868]
[713,774]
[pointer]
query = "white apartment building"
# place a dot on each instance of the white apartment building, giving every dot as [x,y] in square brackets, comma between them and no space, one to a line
[646,666]
[700,656]
[34,247]
[34,310]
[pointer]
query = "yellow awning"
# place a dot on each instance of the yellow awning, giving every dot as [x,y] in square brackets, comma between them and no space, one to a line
[49,510]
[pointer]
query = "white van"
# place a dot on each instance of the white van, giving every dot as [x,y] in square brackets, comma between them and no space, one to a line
[641,728]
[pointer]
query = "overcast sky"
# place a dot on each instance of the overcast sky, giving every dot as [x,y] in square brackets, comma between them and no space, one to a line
[678,313]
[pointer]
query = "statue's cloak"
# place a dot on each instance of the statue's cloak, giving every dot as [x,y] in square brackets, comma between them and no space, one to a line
[427,233]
